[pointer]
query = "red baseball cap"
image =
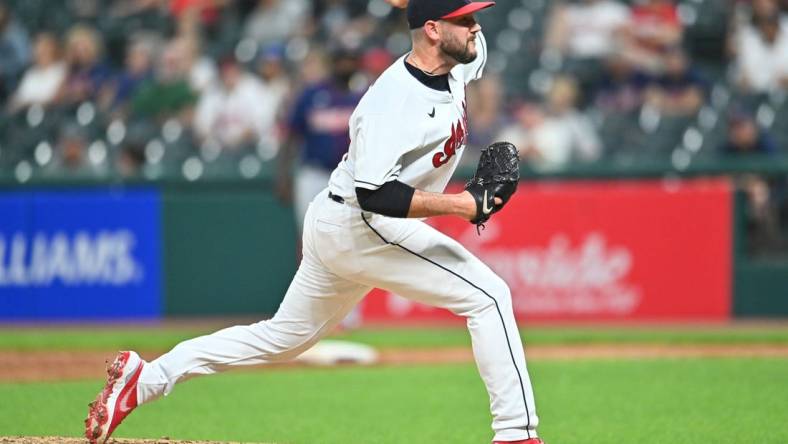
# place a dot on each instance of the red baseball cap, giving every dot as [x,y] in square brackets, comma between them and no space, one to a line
[421,11]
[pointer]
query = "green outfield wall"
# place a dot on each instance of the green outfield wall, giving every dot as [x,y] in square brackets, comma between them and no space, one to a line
[760,288]
[227,249]
[760,285]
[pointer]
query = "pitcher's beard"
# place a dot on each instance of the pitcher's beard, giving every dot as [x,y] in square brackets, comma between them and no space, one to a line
[461,53]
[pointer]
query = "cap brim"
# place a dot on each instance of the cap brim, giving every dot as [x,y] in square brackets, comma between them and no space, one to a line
[470,8]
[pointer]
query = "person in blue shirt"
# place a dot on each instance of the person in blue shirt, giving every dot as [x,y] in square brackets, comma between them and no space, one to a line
[89,74]
[679,90]
[318,133]
[745,137]
[621,88]
[138,70]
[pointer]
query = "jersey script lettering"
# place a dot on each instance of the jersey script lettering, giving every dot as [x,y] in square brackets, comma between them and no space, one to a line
[459,132]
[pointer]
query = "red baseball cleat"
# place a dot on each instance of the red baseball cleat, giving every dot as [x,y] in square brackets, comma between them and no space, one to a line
[524,441]
[116,400]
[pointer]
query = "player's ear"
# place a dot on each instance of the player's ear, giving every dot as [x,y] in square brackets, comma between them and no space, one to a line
[432,30]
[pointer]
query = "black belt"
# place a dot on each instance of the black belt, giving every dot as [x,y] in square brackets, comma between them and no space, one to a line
[335,198]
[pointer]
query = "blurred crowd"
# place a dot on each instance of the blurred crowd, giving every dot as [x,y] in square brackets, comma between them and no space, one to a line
[193,88]
[137,76]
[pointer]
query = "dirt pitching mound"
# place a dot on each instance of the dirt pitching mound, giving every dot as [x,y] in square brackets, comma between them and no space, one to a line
[62,440]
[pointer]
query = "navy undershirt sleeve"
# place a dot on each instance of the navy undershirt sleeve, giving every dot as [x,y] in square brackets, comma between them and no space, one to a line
[391,199]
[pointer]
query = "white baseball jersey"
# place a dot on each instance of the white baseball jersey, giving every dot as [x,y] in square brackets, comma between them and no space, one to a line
[403,130]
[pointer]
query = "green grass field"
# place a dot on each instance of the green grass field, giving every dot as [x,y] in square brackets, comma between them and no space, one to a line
[161,338]
[650,401]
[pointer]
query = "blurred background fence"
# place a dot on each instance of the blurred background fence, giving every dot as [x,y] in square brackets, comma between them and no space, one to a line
[152,152]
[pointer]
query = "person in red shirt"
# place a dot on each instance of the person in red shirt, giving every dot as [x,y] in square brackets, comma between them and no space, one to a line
[654,28]
[207,9]
[195,15]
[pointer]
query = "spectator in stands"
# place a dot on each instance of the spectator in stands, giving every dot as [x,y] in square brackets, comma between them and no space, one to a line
[87,73]
[679,90]
[130,160]
[314,67]
[762,55]
[70,157]
[374,62]
[203,13]
[131,156]
[654,28]
[584,33]
[318,133]
[42,81]
[528,118]
[571,131]
[621,88]
[745,13]
[485,101]
[14,51]
[274,21]
[200,69]
[586,29]
[768,8]
[138,71]
[168,93]
[237,112]
[551,138]
[271,70]
[746,140]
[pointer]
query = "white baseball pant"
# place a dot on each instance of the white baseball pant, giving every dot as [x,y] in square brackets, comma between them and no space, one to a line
[346,253]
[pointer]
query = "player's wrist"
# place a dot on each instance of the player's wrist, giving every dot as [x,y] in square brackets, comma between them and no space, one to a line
[466,206]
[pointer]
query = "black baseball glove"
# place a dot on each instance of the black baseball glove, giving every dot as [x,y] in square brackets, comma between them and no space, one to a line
[497,175]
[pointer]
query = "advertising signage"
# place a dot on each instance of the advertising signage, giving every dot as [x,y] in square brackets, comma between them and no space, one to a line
[79,255]
[618,250]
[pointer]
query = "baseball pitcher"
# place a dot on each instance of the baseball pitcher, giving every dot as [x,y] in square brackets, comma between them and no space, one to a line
[366,230]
